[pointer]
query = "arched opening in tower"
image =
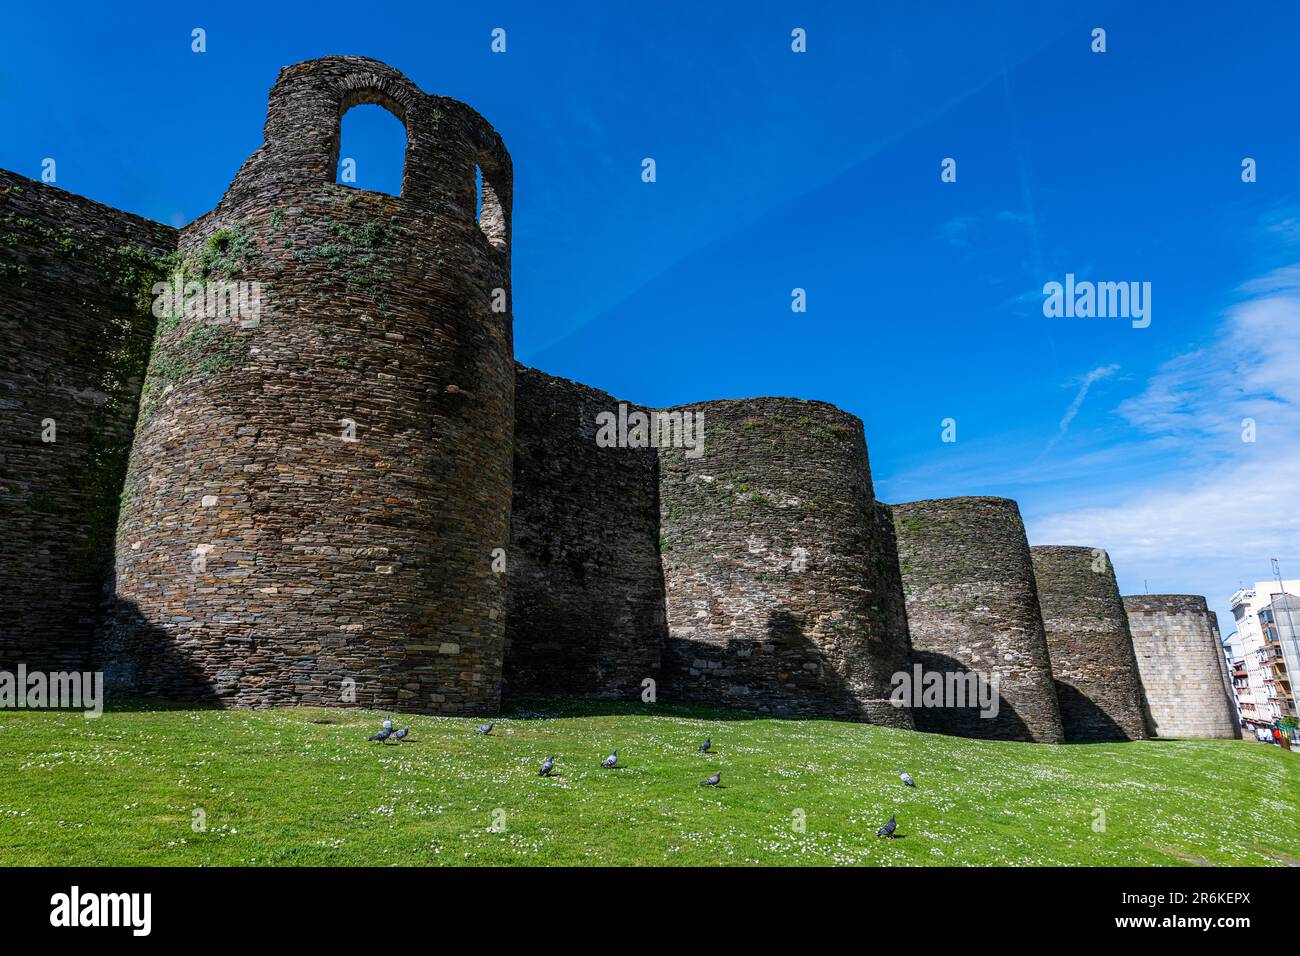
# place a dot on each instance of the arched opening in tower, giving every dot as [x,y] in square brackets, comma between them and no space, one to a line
[372,149]
[488,210]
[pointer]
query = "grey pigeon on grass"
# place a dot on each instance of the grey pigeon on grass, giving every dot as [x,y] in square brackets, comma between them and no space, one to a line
[546,767]
[712,781]
[888,829]
[906,777]
[610,760]
[704,747]
[383,734]
[401,734]
[484,728]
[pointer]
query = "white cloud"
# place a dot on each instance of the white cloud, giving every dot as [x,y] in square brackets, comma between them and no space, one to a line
[1064,426]
[1286,279]
[1251,370]
[1245,509]
[1281,224]
[954,230]
[1233,504]
[961,231]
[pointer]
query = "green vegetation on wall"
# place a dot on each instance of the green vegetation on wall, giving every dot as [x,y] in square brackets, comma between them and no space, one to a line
[120,310]
[204,349]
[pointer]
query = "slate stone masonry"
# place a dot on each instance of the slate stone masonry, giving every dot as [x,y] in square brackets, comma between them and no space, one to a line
[352,496]
[315,495]
[75,328]
[586,594]
[972,605]
[1088,641]
[778,598]
[1185,685]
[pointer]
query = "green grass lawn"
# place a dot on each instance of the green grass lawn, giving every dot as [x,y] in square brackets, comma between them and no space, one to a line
[302,786]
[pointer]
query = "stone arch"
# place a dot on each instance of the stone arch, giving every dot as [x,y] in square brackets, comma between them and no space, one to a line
[445,141]
[306,108]
[419,624]
[493,213]
[380,163]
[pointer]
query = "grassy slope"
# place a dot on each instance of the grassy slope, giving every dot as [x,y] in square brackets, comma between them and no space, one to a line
[302,786]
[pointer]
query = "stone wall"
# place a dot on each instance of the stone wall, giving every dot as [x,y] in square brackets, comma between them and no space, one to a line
[972,607]
[1089,643]
[586,596]
[778,589]
[1185,687]
[317,506]
[75,328]
[315,494]
[320,486]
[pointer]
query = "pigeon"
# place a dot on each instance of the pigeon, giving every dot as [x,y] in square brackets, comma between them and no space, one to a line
[712,781]
[888,829]
[704,747]
[906,777]
[546,767]
[484,728]
[383,734]
[610,760]
[388,725]
[400,734]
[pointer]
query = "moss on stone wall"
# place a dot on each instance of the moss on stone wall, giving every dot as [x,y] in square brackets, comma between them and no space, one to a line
[361,256]
[129,273]
[79,279]
[123,277]
[205,349]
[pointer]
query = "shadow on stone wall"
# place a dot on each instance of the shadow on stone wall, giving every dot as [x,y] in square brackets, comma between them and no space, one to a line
[740,673]
[1085,722]
[560,708]
[1147,713]
[583,623]
[142,661]
[966,721]
[585,603]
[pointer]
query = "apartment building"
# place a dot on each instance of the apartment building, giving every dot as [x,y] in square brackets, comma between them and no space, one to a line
[1243,696]
[1268,620]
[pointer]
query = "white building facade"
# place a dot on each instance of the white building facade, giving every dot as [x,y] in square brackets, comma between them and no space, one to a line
[1266,700]
[1243,696]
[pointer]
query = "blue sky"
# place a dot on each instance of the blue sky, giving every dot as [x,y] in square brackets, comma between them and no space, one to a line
[821,170]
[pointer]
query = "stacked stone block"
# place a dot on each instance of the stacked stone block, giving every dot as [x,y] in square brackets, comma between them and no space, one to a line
[317,507]
[75,328]
[1185,686]
[972,607]
[777,595]
[585,606]
[1089,643]
[315,495]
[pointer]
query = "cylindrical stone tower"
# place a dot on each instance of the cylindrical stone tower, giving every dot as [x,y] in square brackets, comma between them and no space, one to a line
[1089,644]
[315,492]
[1180,659]
[972,608]
[777,567]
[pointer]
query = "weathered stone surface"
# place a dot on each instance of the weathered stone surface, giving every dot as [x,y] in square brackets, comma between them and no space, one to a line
[317,495]
[75,328]
[1089,644]
[1185,686]
[972,606]
[777,566]
[330,563]
[585,606]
